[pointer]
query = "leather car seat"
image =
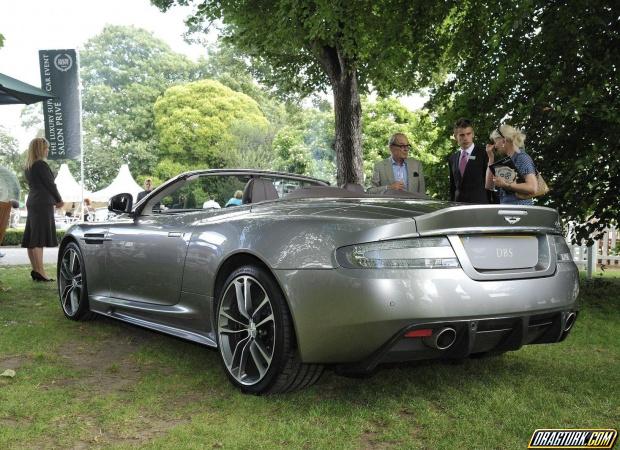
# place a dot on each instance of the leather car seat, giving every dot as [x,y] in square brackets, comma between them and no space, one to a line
[258,190]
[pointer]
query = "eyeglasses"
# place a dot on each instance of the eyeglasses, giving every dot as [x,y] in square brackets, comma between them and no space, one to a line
[500,133]
[407,146]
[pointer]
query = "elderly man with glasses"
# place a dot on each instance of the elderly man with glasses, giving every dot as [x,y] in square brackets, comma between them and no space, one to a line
[398,172]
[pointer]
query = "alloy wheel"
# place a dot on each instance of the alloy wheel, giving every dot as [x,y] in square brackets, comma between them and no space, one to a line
[70,280]
[246,330]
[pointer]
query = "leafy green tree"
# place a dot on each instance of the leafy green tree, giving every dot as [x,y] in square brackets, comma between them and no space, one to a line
[552,69]
[195,122]
[10,155]
[124,70]
[166,169]
[248,146]
[306,144]
[304,46]
[245,146]
[31,117]
[294,155]
[229,66]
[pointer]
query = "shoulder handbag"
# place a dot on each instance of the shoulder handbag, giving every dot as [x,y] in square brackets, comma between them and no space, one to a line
[543,188]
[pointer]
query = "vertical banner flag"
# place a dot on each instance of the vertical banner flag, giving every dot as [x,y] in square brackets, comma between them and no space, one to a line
[59,74]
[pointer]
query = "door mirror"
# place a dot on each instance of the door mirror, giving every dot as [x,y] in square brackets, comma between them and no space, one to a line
[120,203]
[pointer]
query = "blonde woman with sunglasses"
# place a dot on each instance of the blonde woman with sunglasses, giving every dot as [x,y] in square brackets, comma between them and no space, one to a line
[509,141]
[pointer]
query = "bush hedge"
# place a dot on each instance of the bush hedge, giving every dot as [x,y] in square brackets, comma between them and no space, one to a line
[14,236]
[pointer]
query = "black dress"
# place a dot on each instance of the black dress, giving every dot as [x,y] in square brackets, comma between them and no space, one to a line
[40,226]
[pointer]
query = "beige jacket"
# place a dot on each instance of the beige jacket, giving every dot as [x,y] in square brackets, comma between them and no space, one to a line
[383,176]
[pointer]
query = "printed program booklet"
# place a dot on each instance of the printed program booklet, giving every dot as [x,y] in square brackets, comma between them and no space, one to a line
[504,168]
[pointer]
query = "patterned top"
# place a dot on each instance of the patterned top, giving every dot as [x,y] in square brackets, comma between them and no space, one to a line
[525,166]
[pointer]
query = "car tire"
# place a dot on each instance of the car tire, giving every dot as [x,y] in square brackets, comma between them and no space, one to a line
[255,336]
[72,289]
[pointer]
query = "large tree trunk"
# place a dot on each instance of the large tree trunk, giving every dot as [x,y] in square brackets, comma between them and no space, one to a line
[348,114]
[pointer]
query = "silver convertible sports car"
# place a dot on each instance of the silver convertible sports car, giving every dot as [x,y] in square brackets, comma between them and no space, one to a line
[301,275]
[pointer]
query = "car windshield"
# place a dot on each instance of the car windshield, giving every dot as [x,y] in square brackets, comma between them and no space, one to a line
[216,191]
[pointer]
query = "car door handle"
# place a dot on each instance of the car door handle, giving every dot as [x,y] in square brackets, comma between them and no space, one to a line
[175,234]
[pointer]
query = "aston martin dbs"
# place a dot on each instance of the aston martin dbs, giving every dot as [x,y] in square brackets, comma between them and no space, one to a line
[302,275]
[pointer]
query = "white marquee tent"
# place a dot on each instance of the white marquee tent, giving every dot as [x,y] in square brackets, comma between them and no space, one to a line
[69,189]
[123,182]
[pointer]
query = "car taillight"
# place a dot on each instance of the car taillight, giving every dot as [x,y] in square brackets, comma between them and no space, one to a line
[420,253]
[562,252]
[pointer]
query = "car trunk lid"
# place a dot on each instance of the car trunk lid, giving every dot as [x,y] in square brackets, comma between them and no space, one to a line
[494,242]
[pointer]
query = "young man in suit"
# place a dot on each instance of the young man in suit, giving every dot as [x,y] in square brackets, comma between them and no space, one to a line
[148,187]
[398,172]
[468,167]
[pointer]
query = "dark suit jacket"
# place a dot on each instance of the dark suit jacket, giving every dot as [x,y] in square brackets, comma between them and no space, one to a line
[43,190]
[470,187]
[141,195]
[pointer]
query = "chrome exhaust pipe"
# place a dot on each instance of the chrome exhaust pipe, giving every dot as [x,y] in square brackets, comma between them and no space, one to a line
[570,321]
[442,340]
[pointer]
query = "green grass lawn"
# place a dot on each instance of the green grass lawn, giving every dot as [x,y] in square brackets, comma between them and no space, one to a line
[106,384]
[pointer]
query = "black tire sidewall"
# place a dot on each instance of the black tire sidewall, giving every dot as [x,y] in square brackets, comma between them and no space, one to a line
[83,308]
[283,327]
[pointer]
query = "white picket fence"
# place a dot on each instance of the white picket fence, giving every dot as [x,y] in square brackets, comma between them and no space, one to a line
[604,248]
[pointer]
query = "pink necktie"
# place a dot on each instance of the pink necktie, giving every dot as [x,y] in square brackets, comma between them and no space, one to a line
[463,162]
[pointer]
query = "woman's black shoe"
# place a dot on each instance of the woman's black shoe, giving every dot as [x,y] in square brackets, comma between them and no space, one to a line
[36,276]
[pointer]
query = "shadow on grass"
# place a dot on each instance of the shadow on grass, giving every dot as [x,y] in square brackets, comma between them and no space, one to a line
[173,368]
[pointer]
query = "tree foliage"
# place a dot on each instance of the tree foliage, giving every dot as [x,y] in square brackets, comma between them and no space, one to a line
[10,155]
[196,122]
[245,146]
[124,70]
[303,46]
[306,144]
[227,65]
[31,117]
[552,69]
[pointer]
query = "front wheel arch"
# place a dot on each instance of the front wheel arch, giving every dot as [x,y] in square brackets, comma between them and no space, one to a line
[66,240]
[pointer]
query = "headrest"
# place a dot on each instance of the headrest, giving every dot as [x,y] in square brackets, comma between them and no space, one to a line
[258,190]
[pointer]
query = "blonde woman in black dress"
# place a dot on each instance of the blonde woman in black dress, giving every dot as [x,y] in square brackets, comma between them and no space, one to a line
[40,229]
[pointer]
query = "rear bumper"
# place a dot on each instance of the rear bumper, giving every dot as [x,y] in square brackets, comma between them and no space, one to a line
[347,316]
[471,337]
